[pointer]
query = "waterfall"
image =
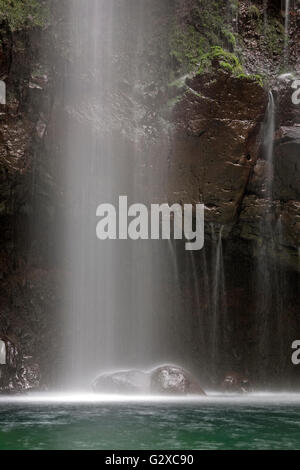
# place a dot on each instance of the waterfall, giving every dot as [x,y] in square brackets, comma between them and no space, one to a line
[286,31]
[233,15]
[265,7]
[271,284]
[269,143]
[264,286]
[197,302]
[2,353]
[218,301]
[117,297]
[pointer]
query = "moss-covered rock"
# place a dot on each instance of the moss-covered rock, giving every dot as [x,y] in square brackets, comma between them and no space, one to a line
[252,77]
[217,57]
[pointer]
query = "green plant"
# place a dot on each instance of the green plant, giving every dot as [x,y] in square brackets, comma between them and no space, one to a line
[254,12]
[206,26]
[217,57]
[229,38]
[234,5]
[274,36]
[187,46]
[253,77]
[20,14]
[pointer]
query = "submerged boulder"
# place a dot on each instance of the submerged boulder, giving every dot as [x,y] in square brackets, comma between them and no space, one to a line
[166,380]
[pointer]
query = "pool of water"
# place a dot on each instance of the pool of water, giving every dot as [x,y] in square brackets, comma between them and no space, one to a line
[105,423]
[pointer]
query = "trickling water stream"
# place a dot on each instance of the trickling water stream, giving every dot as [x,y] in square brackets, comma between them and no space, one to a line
[286,31]
[218,300]
[269,143]
[265,6]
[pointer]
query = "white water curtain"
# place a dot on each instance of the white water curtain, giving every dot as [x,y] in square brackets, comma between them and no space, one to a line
[2,353]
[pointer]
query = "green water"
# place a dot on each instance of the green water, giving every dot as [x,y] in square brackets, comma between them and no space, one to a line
[203,424]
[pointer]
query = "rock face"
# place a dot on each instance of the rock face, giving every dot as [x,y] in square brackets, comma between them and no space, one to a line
[216,142]
[287,164]
[20,373]
[27,281]
[165,380]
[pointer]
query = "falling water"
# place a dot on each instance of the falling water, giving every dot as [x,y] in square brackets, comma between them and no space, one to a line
[280,284]
[197,303]
[272,326]
[2,353]
[117,304]
[264,275]
[233,14]
[218,301]
[265,6]
[286,31]
[269,143]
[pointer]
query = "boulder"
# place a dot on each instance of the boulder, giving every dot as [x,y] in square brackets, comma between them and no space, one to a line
[164,380]
[172,380]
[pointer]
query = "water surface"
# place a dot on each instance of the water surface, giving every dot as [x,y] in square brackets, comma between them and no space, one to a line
[73,422]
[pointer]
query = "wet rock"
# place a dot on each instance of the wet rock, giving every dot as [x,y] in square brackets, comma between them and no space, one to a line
[288,111]
[216,108]
[5,50]
[236,383]
[280,222]
[19,374]
[172,380]
[287,164]
[165,380]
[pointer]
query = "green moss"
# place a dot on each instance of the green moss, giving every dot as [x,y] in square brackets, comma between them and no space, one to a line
[253,77]
[187,46]
[229,38]
[234,5]
[274,37]
[21,14]
[254,12]
[226,66]
[272,33]
[219,58]
[191,40]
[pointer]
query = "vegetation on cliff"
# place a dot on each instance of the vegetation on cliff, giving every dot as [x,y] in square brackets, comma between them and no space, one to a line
[20,14]
[218,57]
[205,35]
[199,26]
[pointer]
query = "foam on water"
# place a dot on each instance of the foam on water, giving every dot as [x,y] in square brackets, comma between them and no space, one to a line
[212,397]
